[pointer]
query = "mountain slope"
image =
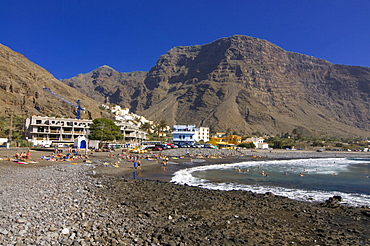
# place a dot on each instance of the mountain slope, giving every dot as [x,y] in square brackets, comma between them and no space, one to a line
[247,84]
[244,83]
[21,90]
[105,82]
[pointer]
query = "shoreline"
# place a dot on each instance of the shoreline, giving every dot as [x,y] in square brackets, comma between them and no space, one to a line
[82,203]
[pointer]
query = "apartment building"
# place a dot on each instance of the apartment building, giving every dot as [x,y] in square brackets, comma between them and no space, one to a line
[189,134]
[47,130]
[64,131]
[131,133]
[202,134]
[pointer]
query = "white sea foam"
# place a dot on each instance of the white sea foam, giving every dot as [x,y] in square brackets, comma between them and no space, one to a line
[319,166]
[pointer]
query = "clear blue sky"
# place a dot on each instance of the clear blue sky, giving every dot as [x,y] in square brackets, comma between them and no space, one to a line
[68,37]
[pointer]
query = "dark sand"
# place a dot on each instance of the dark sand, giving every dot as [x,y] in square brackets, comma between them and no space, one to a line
[162,213]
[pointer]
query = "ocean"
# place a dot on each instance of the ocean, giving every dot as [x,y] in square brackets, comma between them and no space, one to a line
[310,180]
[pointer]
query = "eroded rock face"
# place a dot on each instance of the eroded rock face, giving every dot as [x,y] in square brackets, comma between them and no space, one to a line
[245,84]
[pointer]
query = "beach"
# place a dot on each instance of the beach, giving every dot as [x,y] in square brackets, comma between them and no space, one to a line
[98,201]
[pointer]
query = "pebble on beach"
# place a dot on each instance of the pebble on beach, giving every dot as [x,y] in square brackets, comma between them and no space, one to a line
[65,204]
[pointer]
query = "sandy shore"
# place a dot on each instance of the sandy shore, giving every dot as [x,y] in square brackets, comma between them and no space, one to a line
[95,203]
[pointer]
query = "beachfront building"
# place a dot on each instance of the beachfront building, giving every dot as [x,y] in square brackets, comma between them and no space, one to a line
[45,131]
[217,140]
[202,134]
[258,142]
[184,134]
[234,139]
[189,134]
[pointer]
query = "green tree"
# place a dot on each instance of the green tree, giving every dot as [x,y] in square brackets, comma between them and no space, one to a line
[11,126]
[247,145]
[104,130]
[159,128]
[162,125]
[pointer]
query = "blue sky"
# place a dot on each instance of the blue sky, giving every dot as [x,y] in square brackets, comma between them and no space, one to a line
[68,37]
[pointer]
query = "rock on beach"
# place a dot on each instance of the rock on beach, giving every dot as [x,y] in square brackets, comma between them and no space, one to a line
[84,204]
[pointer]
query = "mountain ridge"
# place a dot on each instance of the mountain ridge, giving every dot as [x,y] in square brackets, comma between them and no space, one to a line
[240,83]
[248,84]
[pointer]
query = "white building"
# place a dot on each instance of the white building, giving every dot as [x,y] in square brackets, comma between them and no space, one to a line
[258,142]
[131,133]
[202,134]
[47,130]
[189,134]
[64,131]
[3,140]
[124,115]
[183,134]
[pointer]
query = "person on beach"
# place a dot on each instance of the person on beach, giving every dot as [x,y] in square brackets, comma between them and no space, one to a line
[28,155]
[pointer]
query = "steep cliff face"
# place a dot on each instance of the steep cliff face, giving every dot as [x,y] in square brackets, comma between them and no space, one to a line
[21,90]
[246,84]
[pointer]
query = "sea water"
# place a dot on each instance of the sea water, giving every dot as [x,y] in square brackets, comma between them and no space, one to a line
[313,180]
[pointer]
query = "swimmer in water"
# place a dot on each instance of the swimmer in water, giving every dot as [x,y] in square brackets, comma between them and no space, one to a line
[300,174]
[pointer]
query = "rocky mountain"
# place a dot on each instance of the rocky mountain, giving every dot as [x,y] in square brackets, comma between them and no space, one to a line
[22,93]
[106,83]
[243,84]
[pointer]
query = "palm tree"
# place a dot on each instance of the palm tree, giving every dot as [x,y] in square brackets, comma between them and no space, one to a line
[146,127]
[162,125]
[159,128]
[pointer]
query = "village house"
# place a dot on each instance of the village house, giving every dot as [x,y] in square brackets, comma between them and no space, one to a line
[258,142]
